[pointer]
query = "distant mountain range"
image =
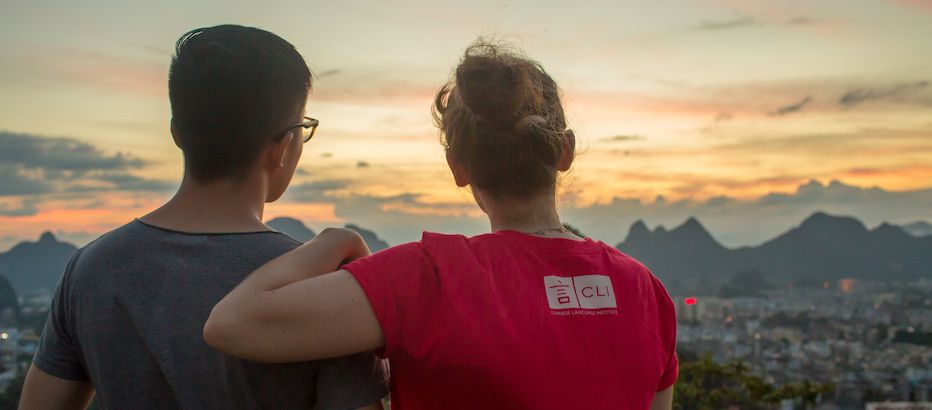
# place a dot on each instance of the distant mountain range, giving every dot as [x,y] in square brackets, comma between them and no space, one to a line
[30,266]
[823,247]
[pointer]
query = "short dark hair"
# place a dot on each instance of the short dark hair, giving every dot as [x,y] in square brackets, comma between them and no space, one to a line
[232,88]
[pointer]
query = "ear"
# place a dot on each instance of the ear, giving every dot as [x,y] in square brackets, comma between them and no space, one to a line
[568,152]
[175,134]
[275,154]
[459,173]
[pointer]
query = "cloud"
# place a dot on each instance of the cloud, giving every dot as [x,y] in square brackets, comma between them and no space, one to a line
[316,191]
[738,22]
[921,5]
[801,21]
[329,73]
[62,154]
[32,165]
[142,75]
[15,180]
[755,20]
[861,95]
[25,207]
[795,107]
[619,138]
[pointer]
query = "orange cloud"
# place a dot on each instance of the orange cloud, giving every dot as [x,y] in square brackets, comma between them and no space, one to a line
[111,72]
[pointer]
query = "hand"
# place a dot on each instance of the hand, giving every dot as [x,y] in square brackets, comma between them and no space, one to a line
[349,243]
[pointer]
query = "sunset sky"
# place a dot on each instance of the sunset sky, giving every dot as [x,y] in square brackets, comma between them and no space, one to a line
[741,113]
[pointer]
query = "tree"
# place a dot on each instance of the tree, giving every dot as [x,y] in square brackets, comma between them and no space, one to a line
[707,385]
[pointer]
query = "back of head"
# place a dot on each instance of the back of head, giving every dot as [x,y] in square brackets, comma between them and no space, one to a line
[502,120]
[232,88]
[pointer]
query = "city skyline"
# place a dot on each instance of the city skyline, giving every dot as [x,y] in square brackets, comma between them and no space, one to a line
[724,110]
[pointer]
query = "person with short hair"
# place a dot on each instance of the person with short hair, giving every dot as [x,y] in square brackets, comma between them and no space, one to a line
[127,317]
[529,316]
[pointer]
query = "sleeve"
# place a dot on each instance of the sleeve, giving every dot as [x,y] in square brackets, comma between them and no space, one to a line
[667,315]
[58,353]
[402,288]
[350,382]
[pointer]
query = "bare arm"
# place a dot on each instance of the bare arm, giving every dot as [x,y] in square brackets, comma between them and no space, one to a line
[663,400]
[44,391]
[285,312]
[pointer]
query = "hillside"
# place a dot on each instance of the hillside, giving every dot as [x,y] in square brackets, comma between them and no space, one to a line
[823,247]
[33,265]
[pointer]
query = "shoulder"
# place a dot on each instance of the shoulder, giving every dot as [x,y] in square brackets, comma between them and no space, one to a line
[433,240]
[632,267]
[106,244]
[627,261]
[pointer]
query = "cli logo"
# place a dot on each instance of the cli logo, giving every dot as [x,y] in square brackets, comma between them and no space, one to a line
[580,292]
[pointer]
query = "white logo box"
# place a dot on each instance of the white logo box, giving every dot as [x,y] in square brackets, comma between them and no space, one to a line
[580,292]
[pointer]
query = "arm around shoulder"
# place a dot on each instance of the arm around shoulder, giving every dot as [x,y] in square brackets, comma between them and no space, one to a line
[288,310]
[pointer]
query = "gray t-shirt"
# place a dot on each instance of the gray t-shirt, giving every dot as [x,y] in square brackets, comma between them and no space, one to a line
[128,316]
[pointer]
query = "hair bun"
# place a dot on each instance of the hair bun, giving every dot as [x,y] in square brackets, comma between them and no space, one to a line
[496,90]
[501,119]
[529,125]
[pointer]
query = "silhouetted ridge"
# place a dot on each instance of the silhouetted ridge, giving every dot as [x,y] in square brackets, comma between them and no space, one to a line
[821,223]
[47,238]
[33,265]
[638,232]
[823,247]
[692,231]
[292,227]
[662,250]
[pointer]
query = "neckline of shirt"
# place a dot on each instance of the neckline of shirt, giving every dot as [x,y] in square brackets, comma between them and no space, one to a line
[551,244]
[174,231]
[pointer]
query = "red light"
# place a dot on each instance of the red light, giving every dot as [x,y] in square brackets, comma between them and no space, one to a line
[690,301]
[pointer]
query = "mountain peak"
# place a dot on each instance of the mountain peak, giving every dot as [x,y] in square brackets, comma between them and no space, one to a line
[693,231]
[47,237]
[638,231]
[291,227]
[823,222]
[692,223]
[691,226]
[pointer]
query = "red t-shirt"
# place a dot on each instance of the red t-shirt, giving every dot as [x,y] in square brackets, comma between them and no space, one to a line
[509,320]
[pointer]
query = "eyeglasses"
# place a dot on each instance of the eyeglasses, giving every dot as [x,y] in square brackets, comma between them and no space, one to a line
[309,124]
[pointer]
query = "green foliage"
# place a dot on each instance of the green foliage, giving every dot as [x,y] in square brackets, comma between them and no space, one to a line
[707,385]
[915,337]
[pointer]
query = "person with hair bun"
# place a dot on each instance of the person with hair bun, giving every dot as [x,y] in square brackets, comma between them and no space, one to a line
[529,316]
